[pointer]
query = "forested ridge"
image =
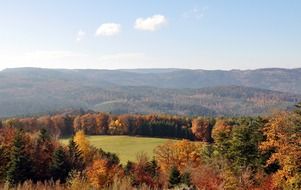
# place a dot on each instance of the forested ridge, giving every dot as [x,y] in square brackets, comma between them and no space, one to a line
[244,153]
[31,91]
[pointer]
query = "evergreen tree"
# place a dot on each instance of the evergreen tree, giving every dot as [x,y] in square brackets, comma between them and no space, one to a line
[20,165]
[3,163]
[68,130]
[44,135]
[186,179]
[153,168]
[243,151]
[42,158]
[59,167]
[174,177]
[128,167]
[111,158]
[75,156]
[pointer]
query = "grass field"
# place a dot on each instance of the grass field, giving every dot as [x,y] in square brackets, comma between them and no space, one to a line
[126,147]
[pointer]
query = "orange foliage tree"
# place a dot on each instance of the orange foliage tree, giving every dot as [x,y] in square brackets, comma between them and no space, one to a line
[86,123]
[205,177]
[98,173]
[202,128]
[102,123]
[182,154]
[101,173]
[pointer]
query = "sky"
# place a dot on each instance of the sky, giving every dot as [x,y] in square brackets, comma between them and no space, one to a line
[128,34]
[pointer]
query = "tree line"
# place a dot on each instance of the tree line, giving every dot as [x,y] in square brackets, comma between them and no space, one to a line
[166,126]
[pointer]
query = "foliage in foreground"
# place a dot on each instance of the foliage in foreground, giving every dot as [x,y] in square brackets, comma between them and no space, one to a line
[243,153]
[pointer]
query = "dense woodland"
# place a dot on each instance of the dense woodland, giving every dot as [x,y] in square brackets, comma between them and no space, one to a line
[31,91]
[247,153]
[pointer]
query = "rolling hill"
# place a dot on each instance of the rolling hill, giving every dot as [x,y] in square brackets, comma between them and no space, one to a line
[27,91]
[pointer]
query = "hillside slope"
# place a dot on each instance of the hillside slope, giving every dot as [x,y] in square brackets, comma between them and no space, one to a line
[284,80]
[30,91]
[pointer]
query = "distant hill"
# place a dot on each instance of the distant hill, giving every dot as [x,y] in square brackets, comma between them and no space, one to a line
[29,91]
[284,80]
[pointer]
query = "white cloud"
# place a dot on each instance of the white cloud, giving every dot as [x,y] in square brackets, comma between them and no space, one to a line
[108,29]
[196,13]
[80,35]
[151,23]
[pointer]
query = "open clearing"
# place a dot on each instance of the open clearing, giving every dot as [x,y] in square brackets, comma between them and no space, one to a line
[126,147]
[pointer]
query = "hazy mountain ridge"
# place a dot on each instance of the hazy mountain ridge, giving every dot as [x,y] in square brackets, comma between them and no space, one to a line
[176,91]
[284,80]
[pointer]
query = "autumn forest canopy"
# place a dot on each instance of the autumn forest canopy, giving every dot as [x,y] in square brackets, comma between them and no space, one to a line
[212,152]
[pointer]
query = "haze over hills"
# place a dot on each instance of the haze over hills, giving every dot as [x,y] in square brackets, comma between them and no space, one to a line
[284,80]
[27,91]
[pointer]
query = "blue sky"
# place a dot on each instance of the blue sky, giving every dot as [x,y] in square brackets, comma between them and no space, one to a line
[115,34]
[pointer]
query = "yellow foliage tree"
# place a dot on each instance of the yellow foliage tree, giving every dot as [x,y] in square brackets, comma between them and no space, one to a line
[283,133]
[117,127]
[97,173]
[83,144]
[101,173]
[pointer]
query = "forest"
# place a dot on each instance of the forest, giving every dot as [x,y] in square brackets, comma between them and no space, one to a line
[32,91]
[244,153]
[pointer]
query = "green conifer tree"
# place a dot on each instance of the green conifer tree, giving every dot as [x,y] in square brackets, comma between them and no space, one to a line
[174,177]
[42,156]
[44,135]
[20,165]
[59,167]
[186,179]
[75,156]
[128,167]
[3,163]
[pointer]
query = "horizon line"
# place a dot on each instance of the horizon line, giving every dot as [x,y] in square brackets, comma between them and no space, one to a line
[150,68]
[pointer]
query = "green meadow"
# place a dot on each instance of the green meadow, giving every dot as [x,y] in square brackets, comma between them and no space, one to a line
[126,147]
